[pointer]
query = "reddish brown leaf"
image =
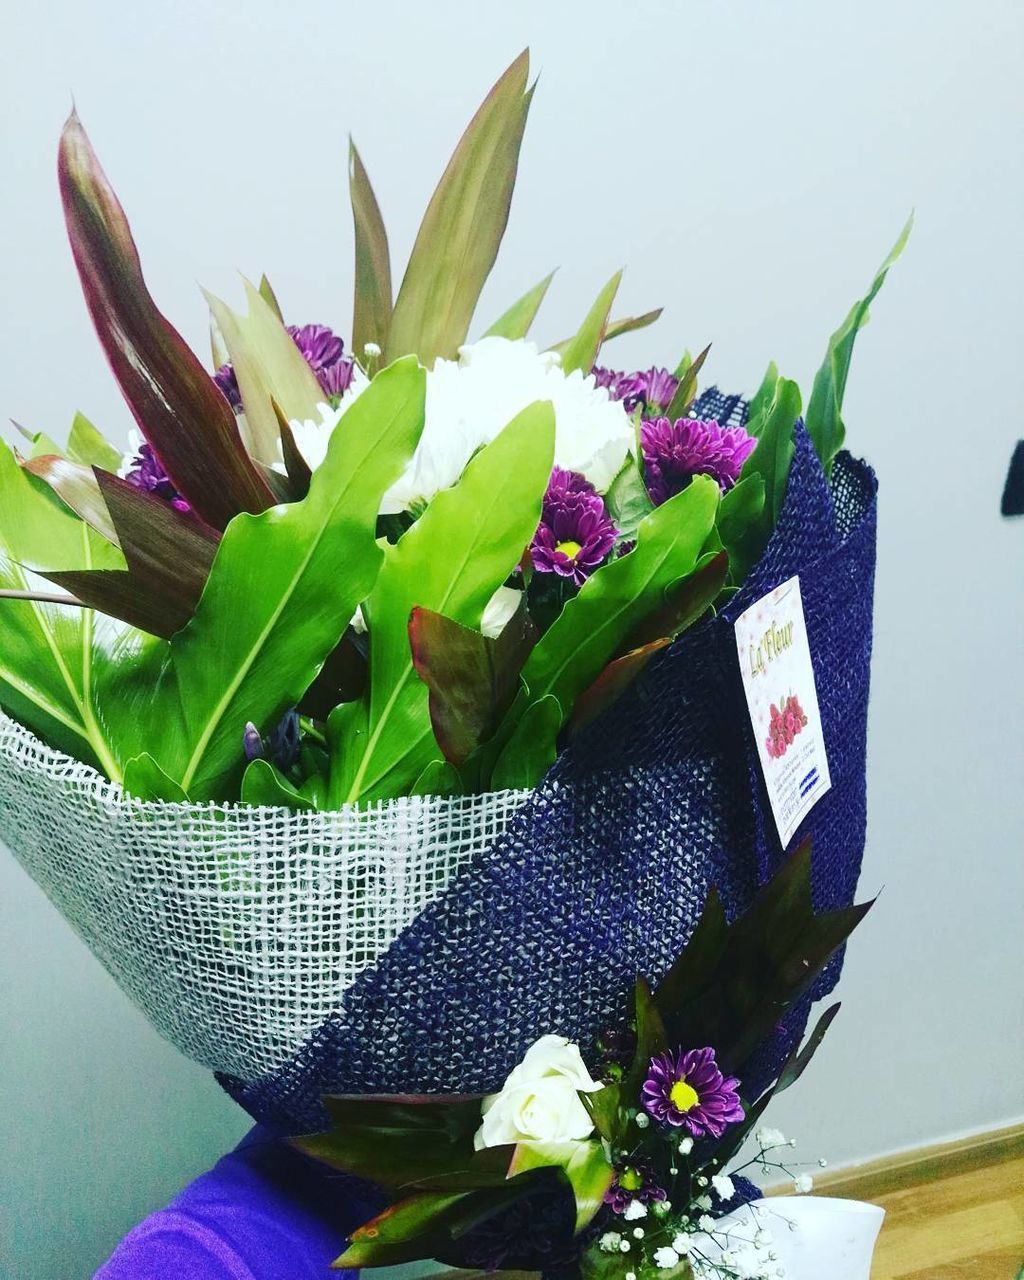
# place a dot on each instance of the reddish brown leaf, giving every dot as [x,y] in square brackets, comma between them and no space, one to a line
[686,601]
[613,681]
[175,402]
[76,485]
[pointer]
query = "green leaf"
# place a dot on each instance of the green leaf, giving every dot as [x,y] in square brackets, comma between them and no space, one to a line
[516,321]
[175,402]
[773,455]
[687,388]
[52,657]
[685,602]
[75,484]
[824,411]
[270,370]
[472,678]
[630,324]
[404,1232]
[530,750]
[451,561]
[741,525]
[263,784]
[281,591]
[438,778]
[587,633]
[463,226]
[583,1163]
[145,780]
[270,298]
[627,500]
[581,351]
[371,317]
[762,398]
[86,445]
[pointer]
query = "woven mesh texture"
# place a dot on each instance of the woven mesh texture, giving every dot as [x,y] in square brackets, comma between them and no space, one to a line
[601,873]
[235,930]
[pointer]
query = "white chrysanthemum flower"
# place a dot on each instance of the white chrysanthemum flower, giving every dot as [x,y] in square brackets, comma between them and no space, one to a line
[311,437]
[470,400]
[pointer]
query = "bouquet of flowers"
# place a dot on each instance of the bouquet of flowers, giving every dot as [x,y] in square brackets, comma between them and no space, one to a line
[379,712]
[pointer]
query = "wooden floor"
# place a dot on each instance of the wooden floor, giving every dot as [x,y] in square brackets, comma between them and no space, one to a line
[952,1213]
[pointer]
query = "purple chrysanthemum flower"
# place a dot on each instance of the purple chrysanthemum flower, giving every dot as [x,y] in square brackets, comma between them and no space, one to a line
[647,389]
[575,534]
[321,349]
[147,472]
[634,1182]
[675,452]
[687,1090]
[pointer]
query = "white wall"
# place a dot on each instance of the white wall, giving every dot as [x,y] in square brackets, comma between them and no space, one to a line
[751,163]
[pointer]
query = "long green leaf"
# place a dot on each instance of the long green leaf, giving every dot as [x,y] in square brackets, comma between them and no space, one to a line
[824,410]
[581,351]
[463,226]
[773,455]
[281,592]
[530,750]
[452,560]
[611,603]
[270,369]
[630,324]
[87,445]
[371,316]
[175,402]
[51,656]
[516,321]
[584,1163]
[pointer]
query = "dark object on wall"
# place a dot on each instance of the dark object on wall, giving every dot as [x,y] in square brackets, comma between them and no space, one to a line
[1013,490]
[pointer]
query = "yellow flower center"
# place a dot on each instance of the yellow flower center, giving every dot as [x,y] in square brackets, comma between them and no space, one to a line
[570,549]
[682,1097]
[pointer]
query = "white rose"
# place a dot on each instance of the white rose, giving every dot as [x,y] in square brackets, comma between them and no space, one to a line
[539,1101]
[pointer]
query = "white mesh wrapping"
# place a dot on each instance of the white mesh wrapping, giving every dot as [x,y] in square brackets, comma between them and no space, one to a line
[236,930]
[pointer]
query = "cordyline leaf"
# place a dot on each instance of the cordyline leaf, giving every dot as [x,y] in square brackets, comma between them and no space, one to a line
[516,321]
[280,594]
[270,370]
[168,554]
[734,983]
[270,297]
[174,401]
[824,410]
[472,678]
[75,483]
[613,601]
[298,469]
[394,1140]
[683,397]
[685,602]
[52,657]
[630,324]
[413,1228]
[463,226]
[371,316]
[581,351]
[341,679]
[792,1069]
[613,681]
[651,1038]
[762,398]
[86,445]
[741,525]
[452,560]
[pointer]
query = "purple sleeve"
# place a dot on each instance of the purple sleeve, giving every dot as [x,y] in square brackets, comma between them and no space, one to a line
[263,1212]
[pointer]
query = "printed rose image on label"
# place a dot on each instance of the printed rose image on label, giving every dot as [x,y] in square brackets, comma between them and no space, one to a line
[782,700]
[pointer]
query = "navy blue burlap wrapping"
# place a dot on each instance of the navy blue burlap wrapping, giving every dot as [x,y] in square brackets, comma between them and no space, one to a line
[602,873]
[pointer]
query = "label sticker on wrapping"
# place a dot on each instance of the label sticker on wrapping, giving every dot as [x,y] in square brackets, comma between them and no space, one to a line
[778,679]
